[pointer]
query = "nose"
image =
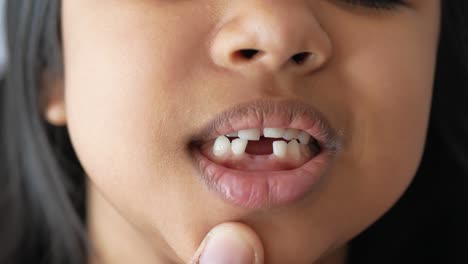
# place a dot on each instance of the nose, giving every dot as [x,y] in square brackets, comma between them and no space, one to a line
[273,36]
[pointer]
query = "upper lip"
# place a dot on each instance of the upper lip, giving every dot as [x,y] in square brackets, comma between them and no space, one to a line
[269,113]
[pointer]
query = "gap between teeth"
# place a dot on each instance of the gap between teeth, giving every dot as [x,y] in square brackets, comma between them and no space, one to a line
[281,149]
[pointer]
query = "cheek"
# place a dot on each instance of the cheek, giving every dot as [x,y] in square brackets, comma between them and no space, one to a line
[126,114]
[384,82]
[123,88]
[391,99]
[388,91]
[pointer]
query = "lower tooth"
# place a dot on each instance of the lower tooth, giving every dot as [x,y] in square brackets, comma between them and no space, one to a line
[238,146]
[221,146]
[293,150]
[280,148]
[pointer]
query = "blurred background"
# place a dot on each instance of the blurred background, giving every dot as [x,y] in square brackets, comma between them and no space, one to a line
[3,55]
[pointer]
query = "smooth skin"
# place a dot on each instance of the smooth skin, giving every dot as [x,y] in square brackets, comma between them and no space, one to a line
[143,76]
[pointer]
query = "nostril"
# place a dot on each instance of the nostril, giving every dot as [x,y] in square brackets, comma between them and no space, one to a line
[300,58]
[245,54]
[248,53]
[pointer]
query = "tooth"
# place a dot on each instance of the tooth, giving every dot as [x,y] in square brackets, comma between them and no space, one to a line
[273,132]
[291,133]
[293,149]
[304,137]
[249,134]
[238,146]
[233,134]
[221,146]
[279,148]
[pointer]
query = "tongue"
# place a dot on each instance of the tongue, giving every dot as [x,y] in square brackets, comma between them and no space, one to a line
[264,146]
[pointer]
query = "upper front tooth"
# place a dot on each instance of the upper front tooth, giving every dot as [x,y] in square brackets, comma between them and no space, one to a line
[291,133]
[238,146]
[233,134]
[221,146]
[273,132]
[249,134]
[304,137]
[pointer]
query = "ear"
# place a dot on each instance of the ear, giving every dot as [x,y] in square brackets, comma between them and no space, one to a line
[53,100]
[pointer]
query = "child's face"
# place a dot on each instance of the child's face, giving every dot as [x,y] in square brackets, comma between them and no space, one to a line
[144,77]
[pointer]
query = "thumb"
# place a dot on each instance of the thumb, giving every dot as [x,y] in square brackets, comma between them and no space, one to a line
[230,243]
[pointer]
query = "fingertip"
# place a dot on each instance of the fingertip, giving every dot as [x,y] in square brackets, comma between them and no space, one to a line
[230,241]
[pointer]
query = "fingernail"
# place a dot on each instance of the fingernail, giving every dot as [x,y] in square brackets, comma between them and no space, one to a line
[227,248]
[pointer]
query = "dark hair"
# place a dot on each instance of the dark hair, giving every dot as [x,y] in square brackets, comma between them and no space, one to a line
[42,189]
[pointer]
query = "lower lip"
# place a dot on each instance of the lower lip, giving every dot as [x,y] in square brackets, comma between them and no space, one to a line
[261,189]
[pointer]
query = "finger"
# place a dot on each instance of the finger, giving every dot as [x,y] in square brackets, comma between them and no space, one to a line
[230,242]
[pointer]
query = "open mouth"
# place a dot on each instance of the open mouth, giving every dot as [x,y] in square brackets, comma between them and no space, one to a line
[265,154]
[267,149]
